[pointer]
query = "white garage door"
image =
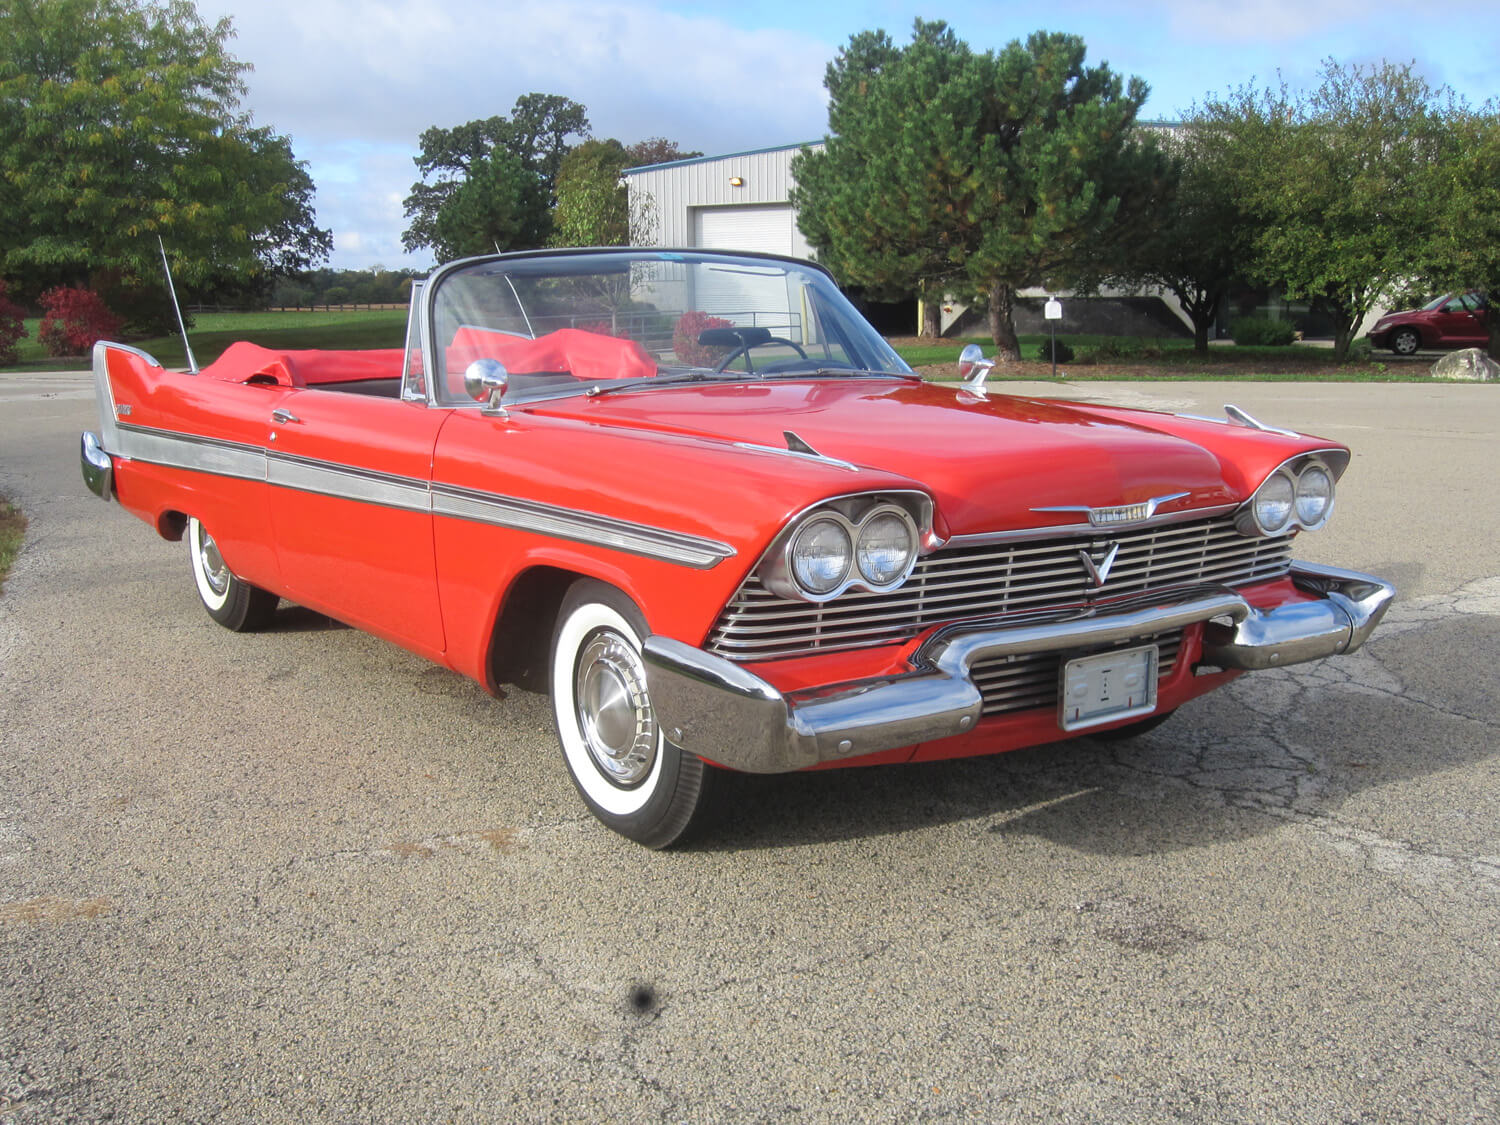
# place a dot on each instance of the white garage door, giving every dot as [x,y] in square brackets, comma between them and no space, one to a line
[766,228]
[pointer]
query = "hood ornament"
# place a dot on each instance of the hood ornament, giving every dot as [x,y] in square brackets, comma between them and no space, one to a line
[1123,513]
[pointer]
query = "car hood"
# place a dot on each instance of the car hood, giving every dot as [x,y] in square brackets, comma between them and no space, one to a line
[988,461]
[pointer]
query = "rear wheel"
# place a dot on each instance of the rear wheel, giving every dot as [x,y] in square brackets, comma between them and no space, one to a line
[1405,341]
[629,775]
[231,601]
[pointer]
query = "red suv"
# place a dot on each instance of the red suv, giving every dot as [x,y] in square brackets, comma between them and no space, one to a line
[1454,320]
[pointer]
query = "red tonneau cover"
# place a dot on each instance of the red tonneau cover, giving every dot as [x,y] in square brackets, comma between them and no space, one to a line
[584,355]
[307,367]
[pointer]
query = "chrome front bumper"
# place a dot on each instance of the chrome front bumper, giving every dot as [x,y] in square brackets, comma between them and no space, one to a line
[717,709]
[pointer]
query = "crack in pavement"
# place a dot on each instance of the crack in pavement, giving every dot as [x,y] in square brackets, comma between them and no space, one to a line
[1266,769]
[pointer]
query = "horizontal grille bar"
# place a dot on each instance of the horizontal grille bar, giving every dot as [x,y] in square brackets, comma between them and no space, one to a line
[962,582]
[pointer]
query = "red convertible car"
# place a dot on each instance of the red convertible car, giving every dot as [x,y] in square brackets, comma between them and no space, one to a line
[699,500]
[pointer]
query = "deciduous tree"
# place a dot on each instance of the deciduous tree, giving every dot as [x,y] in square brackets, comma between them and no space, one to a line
[1347,184]
[491,181]
[1467,254]
[1197,240]
[119,122]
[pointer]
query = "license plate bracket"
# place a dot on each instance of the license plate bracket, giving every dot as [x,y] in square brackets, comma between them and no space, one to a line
[1107,687]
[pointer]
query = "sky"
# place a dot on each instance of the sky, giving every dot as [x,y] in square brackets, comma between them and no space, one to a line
[354,82]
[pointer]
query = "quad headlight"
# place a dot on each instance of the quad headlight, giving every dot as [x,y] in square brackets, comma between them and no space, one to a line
[1314,496]
[1299,493]
[821,555]
[844,544]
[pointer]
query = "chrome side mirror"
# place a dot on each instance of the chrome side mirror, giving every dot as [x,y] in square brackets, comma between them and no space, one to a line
[973,367]
[486,379]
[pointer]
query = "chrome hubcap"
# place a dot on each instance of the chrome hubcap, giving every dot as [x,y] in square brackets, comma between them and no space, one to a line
[212,563]
[614,711]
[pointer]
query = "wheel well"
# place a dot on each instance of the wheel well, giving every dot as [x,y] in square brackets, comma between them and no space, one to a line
[522,638]
[171,525]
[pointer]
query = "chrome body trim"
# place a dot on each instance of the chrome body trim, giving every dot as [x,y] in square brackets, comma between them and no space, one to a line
[303,474]
[988,538]
[1121,515]
[583,527]
[98,468]
[1238,417]
[801,455]
[722,711]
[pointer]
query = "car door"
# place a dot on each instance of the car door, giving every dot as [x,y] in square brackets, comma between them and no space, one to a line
[349,478]
[1460,323]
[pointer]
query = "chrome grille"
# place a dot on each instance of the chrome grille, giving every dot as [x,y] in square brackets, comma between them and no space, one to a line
[1016,683]
[1012,577]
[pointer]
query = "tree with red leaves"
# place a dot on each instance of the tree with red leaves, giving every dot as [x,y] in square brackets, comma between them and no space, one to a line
[74,320]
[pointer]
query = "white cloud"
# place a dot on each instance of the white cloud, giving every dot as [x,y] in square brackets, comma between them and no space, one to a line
[355,83]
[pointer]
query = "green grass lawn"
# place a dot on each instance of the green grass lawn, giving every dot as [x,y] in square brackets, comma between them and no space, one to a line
[211,333]
[12,531]
[1167,359]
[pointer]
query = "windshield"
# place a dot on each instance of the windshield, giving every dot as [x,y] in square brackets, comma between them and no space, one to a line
[565,323]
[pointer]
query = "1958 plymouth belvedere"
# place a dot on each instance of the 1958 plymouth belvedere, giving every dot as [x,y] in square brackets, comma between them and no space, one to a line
[699,500]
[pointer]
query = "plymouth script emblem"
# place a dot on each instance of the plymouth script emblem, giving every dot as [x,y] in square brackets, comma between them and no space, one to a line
[1098,569]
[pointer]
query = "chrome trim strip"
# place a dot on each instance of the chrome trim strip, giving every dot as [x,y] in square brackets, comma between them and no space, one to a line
[986,538]
[305,474]
[1239,417]
[1120,514]
[818,458]
[583,527]
[186,451]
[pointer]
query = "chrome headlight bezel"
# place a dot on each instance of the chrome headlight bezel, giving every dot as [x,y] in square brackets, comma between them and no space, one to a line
[854,514]
[1299,476]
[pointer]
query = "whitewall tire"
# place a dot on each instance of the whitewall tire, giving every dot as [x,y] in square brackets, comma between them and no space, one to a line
[628,774]
[231,601]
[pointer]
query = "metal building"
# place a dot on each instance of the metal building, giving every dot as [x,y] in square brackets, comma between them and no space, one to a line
[735,202]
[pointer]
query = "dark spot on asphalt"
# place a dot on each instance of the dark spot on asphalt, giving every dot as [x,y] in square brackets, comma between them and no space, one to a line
[642,999]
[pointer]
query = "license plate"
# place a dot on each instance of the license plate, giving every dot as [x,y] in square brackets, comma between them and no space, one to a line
[1109,686]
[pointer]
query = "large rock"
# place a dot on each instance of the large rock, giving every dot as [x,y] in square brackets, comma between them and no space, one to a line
[1471,365]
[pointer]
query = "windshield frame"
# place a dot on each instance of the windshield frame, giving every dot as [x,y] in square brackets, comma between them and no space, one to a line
[426,305]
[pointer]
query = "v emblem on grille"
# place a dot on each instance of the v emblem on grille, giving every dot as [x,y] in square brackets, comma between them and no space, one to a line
[1099,571]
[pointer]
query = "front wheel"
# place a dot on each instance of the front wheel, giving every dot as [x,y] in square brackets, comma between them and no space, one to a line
[1405,341]
[629,775]
[231,601]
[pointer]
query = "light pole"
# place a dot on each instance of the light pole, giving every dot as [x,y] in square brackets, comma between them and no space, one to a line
[1052,310]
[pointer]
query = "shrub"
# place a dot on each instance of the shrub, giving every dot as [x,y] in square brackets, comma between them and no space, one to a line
[1118,348]
[685,338]
[1360,351]
[12,327]
[74,320]
[1065,352]
[1262,331]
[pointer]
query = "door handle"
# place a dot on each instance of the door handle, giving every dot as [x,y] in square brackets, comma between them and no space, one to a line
[283,417]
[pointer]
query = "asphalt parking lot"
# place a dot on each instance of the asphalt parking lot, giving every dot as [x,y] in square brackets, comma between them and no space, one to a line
[303,875]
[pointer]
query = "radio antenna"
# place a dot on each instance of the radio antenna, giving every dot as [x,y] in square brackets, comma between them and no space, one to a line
[181,327]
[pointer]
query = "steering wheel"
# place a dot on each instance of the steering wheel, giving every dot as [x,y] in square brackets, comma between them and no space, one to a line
[744,350]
